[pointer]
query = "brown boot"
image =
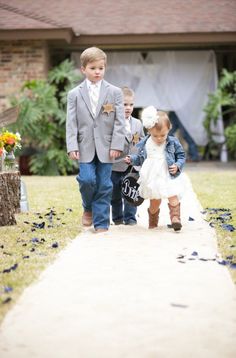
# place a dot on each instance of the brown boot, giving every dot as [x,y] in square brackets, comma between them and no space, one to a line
[87,218]
[153,219]
[175,217]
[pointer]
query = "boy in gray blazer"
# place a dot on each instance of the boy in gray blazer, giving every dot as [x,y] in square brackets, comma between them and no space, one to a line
[95,135]
[122,211]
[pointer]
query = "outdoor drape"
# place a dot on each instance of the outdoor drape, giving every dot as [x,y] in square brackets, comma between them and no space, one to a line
[170,80]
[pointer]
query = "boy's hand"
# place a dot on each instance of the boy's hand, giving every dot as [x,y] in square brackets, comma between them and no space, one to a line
[173,169]
[115,153]
[127,159]
[74,155]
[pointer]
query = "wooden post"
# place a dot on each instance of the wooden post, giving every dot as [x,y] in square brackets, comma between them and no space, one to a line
[9,197]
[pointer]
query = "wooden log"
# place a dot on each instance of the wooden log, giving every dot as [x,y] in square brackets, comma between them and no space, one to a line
[9,197]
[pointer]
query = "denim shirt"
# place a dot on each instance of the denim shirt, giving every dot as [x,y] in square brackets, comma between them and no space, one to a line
[174,154]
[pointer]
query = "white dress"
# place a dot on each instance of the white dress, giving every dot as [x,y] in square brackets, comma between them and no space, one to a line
[155,181]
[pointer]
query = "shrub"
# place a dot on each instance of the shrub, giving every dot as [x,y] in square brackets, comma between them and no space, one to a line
[42,118]
[223,101]
[230,134]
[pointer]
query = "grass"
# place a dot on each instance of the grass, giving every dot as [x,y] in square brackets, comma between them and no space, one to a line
[217,189]
[32,249]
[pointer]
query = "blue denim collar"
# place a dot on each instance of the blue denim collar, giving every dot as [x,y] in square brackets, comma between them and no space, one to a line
[144,140]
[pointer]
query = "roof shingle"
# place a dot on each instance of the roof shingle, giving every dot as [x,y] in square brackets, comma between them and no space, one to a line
[111,17]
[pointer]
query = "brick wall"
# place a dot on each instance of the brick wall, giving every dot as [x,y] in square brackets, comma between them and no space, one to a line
[20,61]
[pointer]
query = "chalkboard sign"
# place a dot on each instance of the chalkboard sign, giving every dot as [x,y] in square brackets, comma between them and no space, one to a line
[129,189]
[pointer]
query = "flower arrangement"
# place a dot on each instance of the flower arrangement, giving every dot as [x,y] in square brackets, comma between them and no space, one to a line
[149,117]
[9,141]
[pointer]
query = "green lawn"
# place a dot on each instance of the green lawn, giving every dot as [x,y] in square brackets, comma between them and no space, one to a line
[217,189]
[32,250]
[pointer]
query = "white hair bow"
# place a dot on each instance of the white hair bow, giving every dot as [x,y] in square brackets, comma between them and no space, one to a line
[149,117]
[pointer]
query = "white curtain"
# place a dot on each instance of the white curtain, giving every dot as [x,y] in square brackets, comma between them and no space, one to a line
[170,80]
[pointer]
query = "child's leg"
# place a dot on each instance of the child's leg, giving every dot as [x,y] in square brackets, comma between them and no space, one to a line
[174,206]
[116,201]
[129,214]
[174,200]
[102,197]
[153,213]
[154,205]
[87,184]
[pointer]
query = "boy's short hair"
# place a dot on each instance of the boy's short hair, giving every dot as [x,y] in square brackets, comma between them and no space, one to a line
[92,54]
[127,91]
[163,120]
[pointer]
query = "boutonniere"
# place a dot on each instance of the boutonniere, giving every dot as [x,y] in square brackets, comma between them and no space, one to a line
[108,108]
[135,139]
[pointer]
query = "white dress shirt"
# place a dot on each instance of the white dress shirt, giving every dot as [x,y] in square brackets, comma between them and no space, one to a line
[93,90]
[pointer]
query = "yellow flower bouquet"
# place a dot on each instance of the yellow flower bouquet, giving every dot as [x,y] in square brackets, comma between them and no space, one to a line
[8,143]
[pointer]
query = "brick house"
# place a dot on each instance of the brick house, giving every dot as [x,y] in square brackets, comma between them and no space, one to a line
[36,35]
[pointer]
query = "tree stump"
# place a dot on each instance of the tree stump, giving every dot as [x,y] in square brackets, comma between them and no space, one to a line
[9,197]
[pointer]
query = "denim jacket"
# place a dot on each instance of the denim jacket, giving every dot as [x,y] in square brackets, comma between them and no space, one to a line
[174,154]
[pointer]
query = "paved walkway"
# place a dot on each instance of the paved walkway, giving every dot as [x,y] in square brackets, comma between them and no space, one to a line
[126,294]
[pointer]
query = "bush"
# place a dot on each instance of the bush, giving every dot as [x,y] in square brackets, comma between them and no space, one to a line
[42,118]
[230,134]
[223,101]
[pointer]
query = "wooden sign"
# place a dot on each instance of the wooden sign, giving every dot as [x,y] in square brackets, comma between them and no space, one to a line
[9,116]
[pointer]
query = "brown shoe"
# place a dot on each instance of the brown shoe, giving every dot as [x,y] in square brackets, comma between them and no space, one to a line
[99,230]
[153,219]
[87,218]
[175,217]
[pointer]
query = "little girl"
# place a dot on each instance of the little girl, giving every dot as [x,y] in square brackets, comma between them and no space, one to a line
[162,158]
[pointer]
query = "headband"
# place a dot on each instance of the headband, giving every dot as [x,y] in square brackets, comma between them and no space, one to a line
[149,117]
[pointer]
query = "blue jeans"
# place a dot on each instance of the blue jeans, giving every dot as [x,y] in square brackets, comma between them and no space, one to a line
[96,190]
[121,209]
[176,124]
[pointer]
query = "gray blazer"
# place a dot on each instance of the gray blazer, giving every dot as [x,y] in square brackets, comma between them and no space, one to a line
[91,134]
[137,134]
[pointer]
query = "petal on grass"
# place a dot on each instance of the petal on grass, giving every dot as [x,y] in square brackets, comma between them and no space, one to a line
[7,300]
[191,219]
[228,227]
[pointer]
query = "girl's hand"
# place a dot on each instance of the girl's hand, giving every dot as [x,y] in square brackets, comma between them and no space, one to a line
[127,159]
[114,153]
[173,169]
[74,155]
